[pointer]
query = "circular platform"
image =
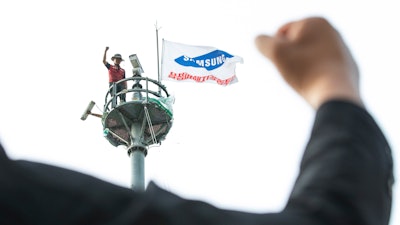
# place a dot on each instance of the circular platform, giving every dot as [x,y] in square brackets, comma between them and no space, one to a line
[135,121]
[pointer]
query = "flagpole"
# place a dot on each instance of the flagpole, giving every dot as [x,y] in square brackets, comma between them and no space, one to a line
[158,58]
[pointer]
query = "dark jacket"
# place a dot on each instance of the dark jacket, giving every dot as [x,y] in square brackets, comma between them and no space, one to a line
[345,178]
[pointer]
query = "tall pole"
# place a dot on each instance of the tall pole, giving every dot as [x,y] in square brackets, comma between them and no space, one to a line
[137,160]
[137,151]
[158,59]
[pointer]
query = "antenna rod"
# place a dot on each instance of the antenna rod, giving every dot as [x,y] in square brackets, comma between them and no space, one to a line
[158,59]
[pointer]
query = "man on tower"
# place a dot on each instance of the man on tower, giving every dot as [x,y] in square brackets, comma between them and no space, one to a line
[115,73]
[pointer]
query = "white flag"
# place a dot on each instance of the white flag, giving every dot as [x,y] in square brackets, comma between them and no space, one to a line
[201,64]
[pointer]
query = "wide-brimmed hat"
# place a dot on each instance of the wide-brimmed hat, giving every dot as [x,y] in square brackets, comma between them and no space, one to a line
[117,56]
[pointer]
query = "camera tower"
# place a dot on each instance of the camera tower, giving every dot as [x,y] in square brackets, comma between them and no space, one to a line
[143,120]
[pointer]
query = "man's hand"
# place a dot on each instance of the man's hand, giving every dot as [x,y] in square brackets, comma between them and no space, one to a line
[105,56]
[313,59]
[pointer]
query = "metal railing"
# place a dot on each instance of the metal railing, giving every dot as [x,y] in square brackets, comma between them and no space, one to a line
[137,83]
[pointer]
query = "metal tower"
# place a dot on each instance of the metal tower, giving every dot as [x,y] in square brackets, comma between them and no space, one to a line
[143,120]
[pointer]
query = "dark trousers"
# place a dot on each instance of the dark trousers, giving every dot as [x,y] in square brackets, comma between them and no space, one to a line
[120,87]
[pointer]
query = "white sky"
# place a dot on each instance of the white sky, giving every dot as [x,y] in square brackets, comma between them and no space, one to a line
[237,147]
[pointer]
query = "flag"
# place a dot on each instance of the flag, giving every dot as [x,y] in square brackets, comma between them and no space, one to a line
[181,62]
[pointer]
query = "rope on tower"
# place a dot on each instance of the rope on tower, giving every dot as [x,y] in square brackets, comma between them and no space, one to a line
[99,108]
[153,135]
[106,131]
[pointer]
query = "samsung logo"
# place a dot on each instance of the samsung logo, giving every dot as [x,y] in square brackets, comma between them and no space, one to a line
[209,61]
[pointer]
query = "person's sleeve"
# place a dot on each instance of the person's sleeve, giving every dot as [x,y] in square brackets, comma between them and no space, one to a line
[107,65]
[346,173]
